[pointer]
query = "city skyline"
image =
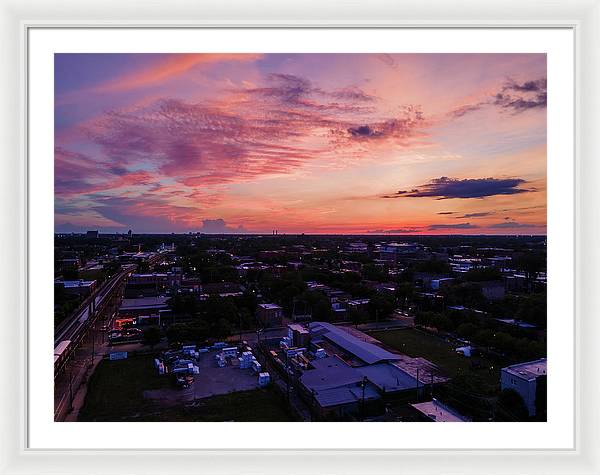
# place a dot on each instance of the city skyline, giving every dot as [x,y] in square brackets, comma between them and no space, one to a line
[301,143]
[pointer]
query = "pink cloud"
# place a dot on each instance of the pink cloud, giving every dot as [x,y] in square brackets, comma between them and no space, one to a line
[254,132]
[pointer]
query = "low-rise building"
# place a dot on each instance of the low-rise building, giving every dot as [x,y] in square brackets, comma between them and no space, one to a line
[493,289]
[523,378]
[78,287]
[393,251]
[269,314]
[143,306]
[299,335]
[353,377]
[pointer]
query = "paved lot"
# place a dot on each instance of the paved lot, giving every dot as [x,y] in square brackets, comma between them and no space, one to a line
[211,381]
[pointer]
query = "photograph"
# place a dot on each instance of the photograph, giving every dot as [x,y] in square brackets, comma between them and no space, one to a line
[300,237]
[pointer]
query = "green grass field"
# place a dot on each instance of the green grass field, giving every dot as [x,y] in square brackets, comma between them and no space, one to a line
[483,380]
[475,382]
[115,393]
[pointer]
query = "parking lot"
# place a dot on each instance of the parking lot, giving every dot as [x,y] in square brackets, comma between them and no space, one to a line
[211,381]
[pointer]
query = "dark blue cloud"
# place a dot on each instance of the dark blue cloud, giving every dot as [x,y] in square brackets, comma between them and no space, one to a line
[364,131]
[437,227]
[476,215]
[219,226]
[395,231]
[447,188]
[512,225]
[529,95]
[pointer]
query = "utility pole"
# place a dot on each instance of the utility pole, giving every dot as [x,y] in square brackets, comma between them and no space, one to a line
[70,390]
[287,376]
[93,343]
[432,384]
[362,409]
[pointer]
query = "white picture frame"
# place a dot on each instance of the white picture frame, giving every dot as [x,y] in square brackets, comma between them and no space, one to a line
[16,20]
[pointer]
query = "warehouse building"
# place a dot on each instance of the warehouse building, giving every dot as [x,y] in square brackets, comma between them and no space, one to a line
[355,375]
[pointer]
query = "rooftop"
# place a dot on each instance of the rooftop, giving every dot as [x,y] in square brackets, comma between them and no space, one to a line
[71,284]
[367,352]
[269,306]
[344,395]
[142,303]
[529,370]
[388,377]
[328,373]
[333,382]
[439,412]
[297,327]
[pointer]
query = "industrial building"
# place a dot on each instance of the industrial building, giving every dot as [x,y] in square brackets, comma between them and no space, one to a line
[143,306]
[347,376]
[77,287]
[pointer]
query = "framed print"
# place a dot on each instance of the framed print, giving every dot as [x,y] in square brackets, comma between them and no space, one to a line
[325,242]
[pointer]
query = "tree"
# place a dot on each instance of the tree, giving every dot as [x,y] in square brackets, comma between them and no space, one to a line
[143,267]
[405,293]
[177,333]
[151,336]
[221,328]
[183,304]
[482,274]
[466,330]
[541,398]
[512,405]
[381,307]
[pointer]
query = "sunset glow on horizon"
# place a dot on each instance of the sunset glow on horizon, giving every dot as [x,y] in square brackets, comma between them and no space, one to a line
[301,143]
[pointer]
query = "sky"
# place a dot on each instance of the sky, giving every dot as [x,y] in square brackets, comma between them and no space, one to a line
[301,143]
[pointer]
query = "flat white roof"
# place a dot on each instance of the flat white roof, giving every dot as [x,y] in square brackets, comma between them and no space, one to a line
[78,283]
[528,370]
[269,306]
[439,412]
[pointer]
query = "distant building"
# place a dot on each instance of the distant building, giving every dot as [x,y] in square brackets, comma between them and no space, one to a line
[78,287]
[91,234]
[462,265]
[438,284]
[516,283]
[426,279]
[299,335]
[393,251]
[269,314]
[493,289]
[143,306]
[523,378]
[358,305]
[223,289]
[148,285]
[351,266]
[71,263]
[357,247]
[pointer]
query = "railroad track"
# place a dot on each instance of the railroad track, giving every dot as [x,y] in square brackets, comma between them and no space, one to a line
[74,325]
